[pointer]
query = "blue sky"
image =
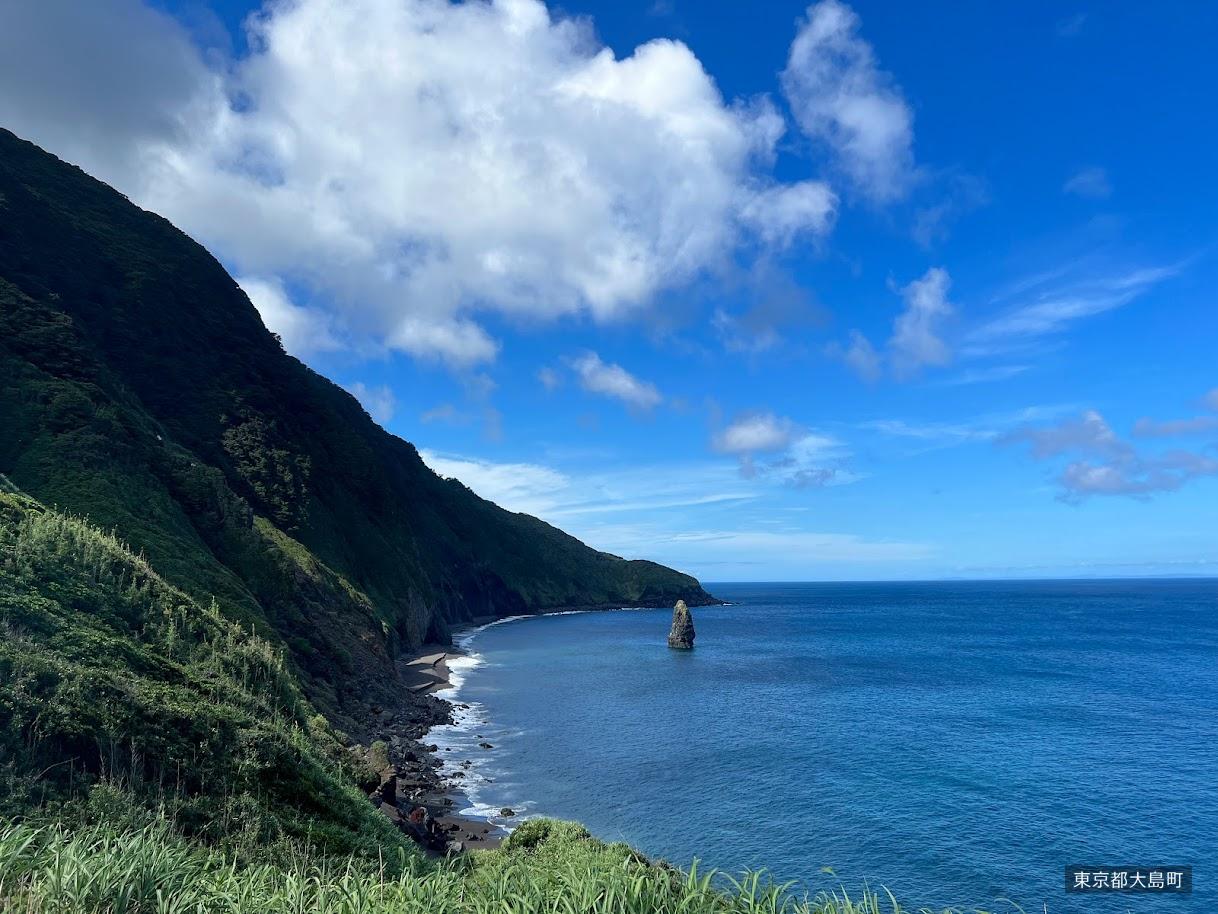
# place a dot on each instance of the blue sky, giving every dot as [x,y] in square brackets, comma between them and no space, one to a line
[763,291]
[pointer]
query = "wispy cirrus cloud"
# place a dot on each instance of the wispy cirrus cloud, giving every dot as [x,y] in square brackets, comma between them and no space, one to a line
[1058,306]
[1090,182]
[564,497]
[989,427]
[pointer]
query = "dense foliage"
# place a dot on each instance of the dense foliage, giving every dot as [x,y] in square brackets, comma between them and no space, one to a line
[139,388]
[110,675]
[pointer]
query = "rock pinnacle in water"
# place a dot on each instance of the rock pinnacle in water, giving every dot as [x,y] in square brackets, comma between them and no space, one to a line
[681,635]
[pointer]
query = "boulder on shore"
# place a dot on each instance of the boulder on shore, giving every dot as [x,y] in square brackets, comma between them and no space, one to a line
[681,635]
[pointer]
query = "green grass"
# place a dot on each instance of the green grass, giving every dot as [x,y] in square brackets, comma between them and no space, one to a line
[111,675]
[545,868]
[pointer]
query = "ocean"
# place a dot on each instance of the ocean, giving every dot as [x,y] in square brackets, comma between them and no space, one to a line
[958,743]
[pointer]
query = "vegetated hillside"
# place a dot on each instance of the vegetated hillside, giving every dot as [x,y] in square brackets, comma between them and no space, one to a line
[139,388]
[110,674]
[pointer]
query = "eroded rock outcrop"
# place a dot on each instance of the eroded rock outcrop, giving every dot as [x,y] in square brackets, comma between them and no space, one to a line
[681,635]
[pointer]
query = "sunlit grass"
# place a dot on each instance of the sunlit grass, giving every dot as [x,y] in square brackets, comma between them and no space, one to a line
[551,868]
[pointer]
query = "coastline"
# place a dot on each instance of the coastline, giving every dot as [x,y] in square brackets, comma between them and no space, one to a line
[433,777]
[415,792]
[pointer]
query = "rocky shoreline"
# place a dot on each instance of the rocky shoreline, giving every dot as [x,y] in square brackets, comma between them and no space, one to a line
[410,788]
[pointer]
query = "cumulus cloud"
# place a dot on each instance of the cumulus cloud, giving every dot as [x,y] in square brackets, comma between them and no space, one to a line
[1109,464]
[1211,399]
[916,339]
[303,331]
[612,380]
[419,163]
[783,213]
[756,433]
[1088,433]
[842,99]
[1139,477]
[791,454]
[379,401]
[1089,182]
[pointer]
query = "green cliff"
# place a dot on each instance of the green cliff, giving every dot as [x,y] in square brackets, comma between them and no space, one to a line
[139,389]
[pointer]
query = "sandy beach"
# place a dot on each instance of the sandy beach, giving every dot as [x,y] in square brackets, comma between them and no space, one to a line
[428,672]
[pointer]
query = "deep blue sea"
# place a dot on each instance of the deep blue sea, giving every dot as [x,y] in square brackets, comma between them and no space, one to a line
[959,743]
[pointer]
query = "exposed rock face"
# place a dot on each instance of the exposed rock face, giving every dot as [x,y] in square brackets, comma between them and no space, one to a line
[681,635]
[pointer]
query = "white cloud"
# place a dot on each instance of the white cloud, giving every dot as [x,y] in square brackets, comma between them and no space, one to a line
[379,401]
[1211,399]
[1057,306]
[916,339]
[1089,182]
[1117,468]
[525,487]
[419,163]
[860,355]
[564,499]
[756,433]
[797,457]
[304,331]
[1139,477]
[841,98]
[549,378]
[611,380]
[1089,433]
[783,213]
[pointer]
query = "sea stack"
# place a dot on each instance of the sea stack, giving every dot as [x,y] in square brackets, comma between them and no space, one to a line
[681,635]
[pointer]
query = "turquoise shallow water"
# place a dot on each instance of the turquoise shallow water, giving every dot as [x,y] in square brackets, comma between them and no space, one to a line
[959,743]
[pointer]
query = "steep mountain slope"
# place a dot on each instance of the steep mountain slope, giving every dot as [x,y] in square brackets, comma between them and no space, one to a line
[138,387]
[109,673]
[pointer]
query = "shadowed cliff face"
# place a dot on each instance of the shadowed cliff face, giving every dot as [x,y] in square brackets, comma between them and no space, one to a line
[139,387]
